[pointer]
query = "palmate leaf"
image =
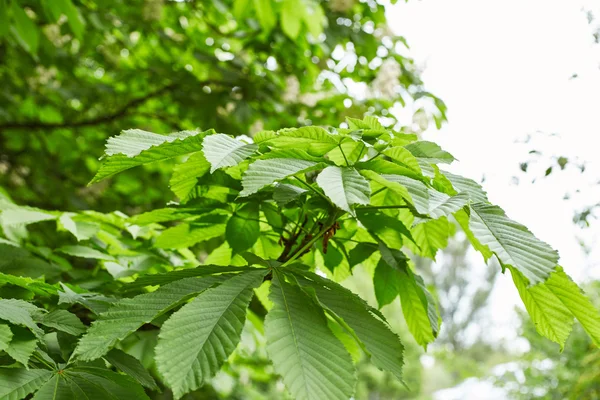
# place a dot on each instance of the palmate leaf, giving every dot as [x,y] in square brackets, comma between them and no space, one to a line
[312,362]
[17,383]
[513,243]
[195,342]
[128,315]
[135,147]
[266,172]
[345,187]
[384,346]
[224,151]
[85,383]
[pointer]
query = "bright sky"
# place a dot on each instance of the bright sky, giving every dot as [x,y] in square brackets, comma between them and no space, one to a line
[503,69]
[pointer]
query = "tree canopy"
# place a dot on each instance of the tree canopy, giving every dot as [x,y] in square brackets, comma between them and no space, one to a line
[260,163]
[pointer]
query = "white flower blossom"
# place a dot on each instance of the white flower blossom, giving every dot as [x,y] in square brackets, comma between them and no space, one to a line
[292,90]
[256,127]
[385,83]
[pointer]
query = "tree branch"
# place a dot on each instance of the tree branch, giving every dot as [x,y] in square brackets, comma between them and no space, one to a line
[122,112]
[103,119]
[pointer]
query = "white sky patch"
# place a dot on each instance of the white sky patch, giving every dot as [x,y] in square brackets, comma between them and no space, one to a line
[503,67]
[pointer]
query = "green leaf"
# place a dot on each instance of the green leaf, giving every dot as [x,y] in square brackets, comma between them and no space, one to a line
[34,285]
[513,243]
[18,312]
[440,204]
[384,346]
[5,336]
[243,228]
[265,14]
[85,252]
[418,192]
[17,383]
[290,23]
[386,283]
[224,151]
[168,277]
[24,216]
[312,362]
[368,122]
[430,152]
[185,175]
[195,342]
[128,315]
[57,388]
[360,253]
[240,8]
[567,291]
[469,186]
[463,219]
[93,301]
[389,168]
[313,139]
[22,345]
[4,23]
[24,29]
[265,172]
[314,18]
[551,317]
[132,367]
[67,8]
[387,228]
[404,157]
[345,187]
[82,230]
[186,235]
[418,307]
[285,193]
[135,147]
[430,236]
[64,321]
[83,383]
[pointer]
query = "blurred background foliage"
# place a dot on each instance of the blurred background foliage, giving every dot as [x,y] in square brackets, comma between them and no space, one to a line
[75,72]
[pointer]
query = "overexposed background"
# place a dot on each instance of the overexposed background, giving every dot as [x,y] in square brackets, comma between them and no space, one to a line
[505,69]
